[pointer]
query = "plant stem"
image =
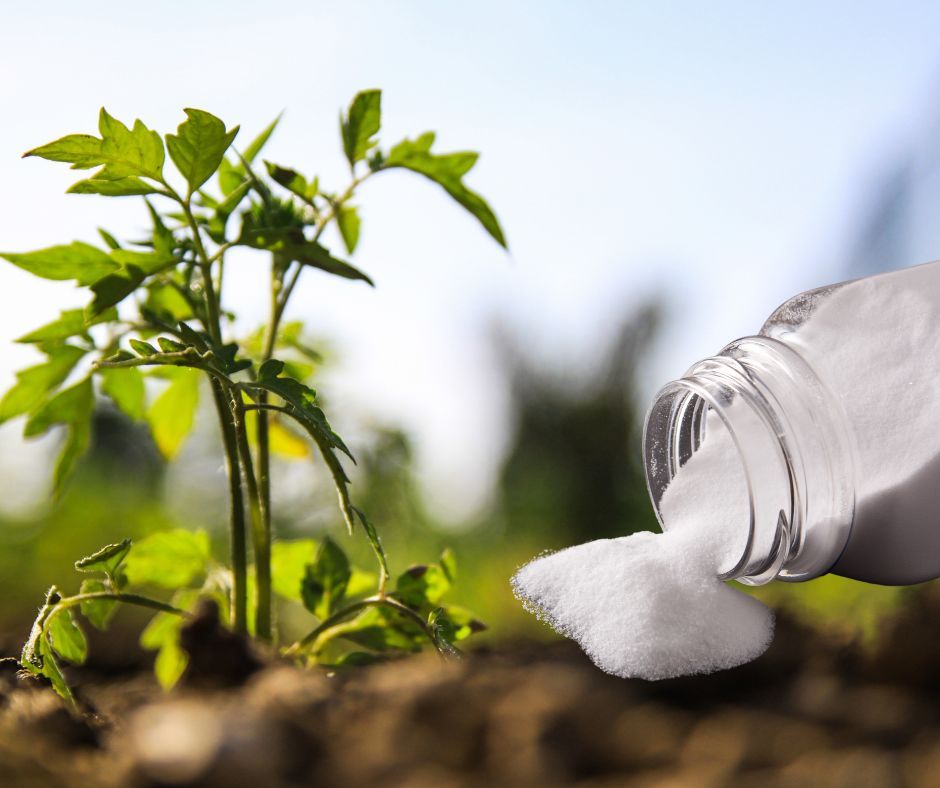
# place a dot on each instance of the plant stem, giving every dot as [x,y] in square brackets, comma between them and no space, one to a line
[238,542]
[260,524]
[280,295]
[188,358]
[263,425]
[232,425]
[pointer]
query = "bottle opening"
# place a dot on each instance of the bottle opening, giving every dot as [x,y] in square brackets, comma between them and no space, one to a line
[713,461]
[792,447]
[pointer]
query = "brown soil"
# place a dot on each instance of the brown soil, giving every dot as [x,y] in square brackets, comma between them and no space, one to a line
[810,712]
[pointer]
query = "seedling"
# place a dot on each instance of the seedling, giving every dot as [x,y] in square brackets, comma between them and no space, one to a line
[156,316]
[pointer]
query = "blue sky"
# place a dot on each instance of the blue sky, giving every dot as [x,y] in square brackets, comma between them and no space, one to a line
[717,153]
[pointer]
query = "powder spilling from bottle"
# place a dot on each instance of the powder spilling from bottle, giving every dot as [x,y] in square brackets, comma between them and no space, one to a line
[651,605]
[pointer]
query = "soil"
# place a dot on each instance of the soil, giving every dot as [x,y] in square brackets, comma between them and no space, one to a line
[810,712]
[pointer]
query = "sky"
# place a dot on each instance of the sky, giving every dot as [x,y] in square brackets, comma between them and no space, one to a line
[716,155]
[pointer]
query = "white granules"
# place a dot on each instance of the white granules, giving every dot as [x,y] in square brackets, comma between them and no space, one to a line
[651,605]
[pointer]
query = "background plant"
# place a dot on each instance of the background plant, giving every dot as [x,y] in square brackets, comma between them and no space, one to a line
[156,313]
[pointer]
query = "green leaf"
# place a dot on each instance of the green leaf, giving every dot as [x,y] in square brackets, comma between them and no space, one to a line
[169,559]
[71,323]
[361,123]
[142,349]
[356,659]
[98,611]
[443,631]
[121,187]
[233,176]
[173,413]
[129,152]
[67,407]
[82,262]
[304,401]
[361,583]
[325,580]
[228,360]
[163,241]
[170,664]
[232,200]
[109,239]
[255,146]
[290,179]
[76,444]
[51,670]
[421,585]
[114,288]
[123,152]
[169,346]
[120,355]
[199,340]
[106,560]
[317,256]
[448,562]
[272,224]
[199,145]
[161,628]
[382,630]
[166,301]
[306,412]
[290,336]
[374,540]
[289,562]
[447,170]
[82,151]
[348,221]
[286,442]
[32,384]
[125,387]
[162,635]
[463,622]
[270,369]
[147,262]
[74,407]
[66,637]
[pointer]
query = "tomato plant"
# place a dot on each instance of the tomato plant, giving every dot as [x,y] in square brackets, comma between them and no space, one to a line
[156,317]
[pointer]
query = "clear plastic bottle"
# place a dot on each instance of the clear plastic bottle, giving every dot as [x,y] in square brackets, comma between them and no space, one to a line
[834,408]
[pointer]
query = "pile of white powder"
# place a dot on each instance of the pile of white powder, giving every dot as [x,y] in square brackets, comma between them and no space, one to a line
[651,605]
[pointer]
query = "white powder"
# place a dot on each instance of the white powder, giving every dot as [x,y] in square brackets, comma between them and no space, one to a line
[651,605]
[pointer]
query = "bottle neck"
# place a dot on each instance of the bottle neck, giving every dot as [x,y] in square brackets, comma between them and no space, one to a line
[792,443]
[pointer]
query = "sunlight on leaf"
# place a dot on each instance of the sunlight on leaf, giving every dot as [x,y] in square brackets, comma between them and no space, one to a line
[173,413]
[361,123]
[198,146]
[170,559]
[67,638]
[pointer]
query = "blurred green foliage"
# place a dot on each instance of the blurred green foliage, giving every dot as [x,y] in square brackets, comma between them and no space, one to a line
[574,471]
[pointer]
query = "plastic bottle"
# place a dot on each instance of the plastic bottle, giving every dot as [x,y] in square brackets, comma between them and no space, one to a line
[834,408]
